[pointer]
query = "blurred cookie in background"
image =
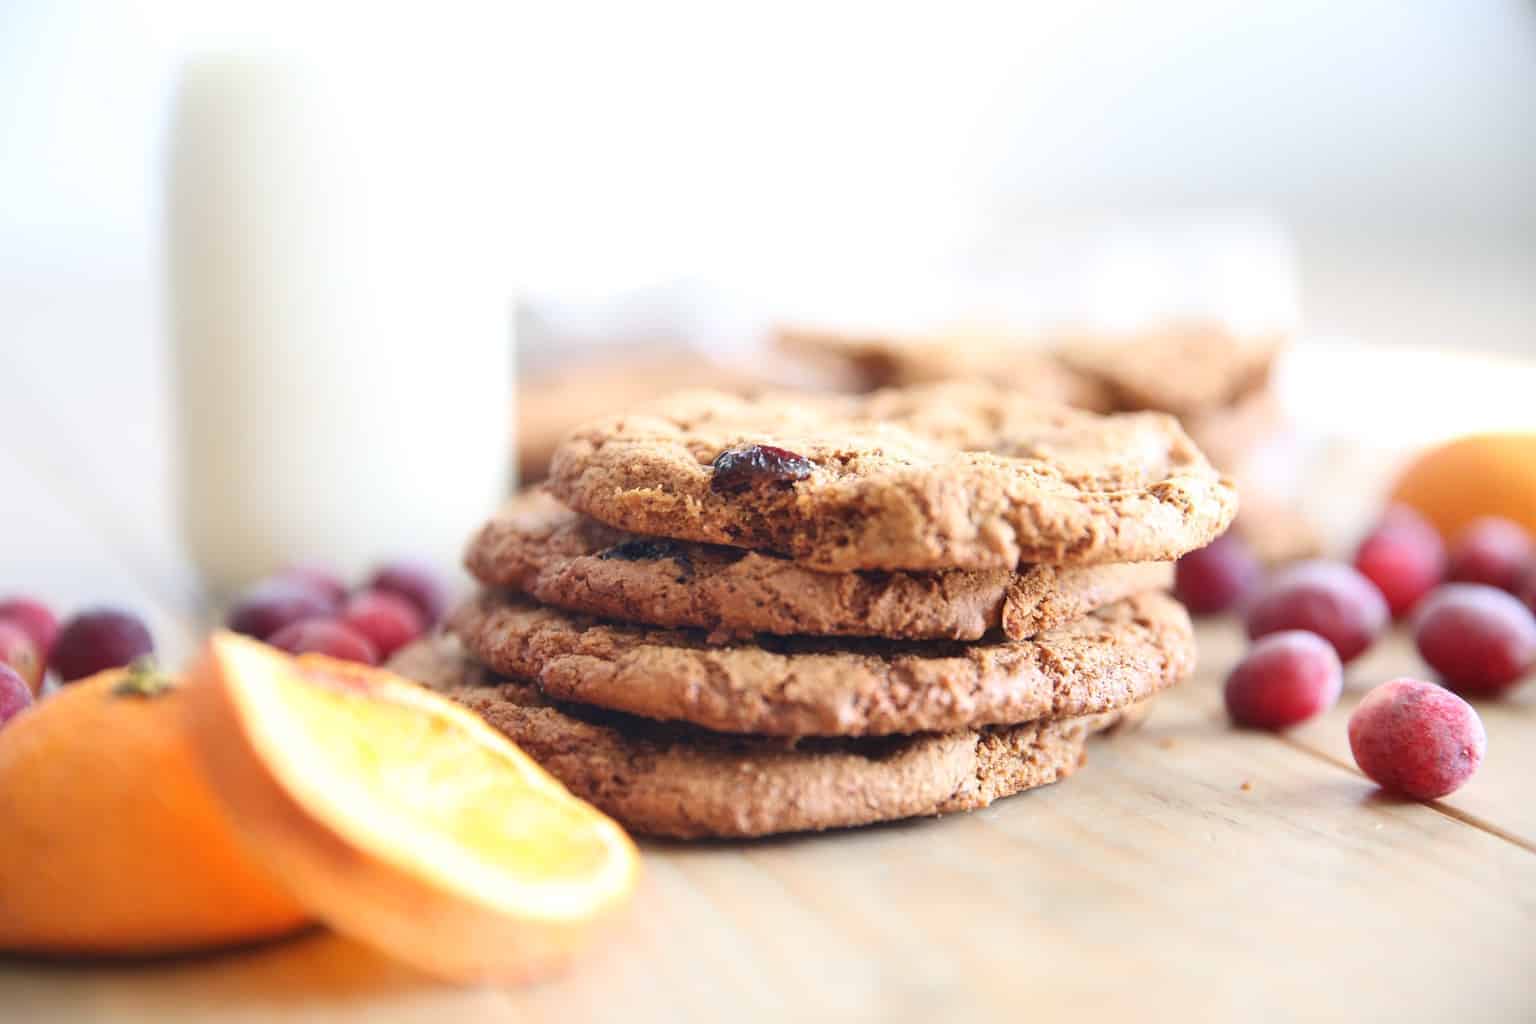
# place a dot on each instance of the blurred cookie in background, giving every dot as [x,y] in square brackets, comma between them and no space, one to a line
[1216,380]
[874,360]
[1190,369]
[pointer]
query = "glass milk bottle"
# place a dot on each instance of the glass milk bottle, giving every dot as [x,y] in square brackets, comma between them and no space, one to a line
[342,331]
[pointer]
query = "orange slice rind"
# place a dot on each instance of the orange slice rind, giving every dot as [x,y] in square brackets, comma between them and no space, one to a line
[401,819]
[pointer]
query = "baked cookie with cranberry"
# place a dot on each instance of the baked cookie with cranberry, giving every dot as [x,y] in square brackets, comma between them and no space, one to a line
[818,686]
[539,547]
[962,475]
[672,780]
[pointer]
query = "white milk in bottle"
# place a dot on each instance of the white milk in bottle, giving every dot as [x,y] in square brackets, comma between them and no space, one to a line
[342,326]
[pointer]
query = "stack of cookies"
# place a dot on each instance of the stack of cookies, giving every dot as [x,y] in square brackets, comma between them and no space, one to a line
[738,617]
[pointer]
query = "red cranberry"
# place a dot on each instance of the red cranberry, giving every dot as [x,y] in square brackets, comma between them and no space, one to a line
[744,466]
[1491,550]
[35,618]
[1480,639]
[388,621]
[418,583]
[1527,591]
[1327,598]
[1217,577]
[18,652]
[96,640]
[325,636]
[1404,556]
[1416,738]
[15,694]
[1284,679]
[275,603]
[319,579]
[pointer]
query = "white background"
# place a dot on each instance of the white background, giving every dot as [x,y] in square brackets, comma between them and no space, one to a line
[787,152]
[801,157]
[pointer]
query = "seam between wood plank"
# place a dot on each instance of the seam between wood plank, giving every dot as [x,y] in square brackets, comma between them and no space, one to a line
[1455,814]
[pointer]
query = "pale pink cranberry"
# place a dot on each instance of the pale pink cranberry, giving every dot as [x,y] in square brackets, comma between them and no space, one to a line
[1404,556]
[418,583]
[1327,598]
[1480,639]
[319,578]
[1491,550]
[325,636]
[1416,738]
[1217,577]
[389,621]
[34,617]
[1527,591]
[1283,680]
[18,652]
[15,694]
[275,603]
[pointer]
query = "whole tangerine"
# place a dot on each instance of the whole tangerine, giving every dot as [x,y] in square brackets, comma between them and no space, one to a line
[1482,475]
[114,844]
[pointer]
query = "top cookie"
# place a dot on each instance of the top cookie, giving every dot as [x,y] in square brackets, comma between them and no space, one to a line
[958,475]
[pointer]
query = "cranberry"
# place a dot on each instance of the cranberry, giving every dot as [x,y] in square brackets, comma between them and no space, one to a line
[19,653]
[1491,550]
[275,603]
[1217,577]
[1527,590]
[388,621]
[1404,556]
[318,578]
[646,549]
[1416,738]
[744,466]
[1327,598]
[99,639]
[1480,639]
[35,618]
[418,583]
[15,694]
[325,636]
[1284,679]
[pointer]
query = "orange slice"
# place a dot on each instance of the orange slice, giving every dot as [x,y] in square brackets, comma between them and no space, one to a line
[401,819]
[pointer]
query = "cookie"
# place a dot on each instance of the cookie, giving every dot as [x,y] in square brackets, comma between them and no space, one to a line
[1185,369]
[881,360]
[808,686]
[670,780]
[961,475]
[538,546]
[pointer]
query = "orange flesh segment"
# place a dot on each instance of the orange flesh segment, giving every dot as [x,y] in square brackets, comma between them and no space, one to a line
[425,785]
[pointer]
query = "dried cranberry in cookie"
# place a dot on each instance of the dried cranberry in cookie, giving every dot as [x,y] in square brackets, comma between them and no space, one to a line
[751,465]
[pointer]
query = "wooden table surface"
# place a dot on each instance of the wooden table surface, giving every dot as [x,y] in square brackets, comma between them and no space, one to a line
[1189,871]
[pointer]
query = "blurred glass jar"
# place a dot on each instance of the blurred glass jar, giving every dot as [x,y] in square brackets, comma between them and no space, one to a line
[342,323]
